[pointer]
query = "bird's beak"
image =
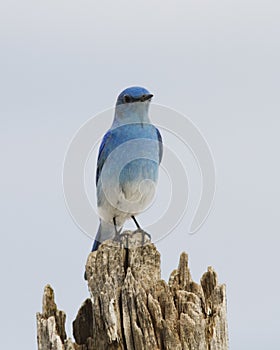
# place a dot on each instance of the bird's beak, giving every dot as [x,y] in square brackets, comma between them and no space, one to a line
[146,97]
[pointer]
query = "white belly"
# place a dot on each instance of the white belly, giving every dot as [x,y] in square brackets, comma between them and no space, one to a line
[133,199]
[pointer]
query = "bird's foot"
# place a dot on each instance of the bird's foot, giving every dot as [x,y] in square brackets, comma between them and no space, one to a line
[144,235]
[124,238]
[128,239]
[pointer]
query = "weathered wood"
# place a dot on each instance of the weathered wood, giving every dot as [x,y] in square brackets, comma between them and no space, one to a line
[130,307]
[51,333]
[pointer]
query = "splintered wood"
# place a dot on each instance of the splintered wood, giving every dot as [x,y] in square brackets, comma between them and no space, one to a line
[131,307]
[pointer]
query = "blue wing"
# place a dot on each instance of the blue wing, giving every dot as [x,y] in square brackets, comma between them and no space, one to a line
[160,145]
[103,153]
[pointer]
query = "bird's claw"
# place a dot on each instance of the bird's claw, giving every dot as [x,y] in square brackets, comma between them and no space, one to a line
[127,240]
[144,233]
[125,235]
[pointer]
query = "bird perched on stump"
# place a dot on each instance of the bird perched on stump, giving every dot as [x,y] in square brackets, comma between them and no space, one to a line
[127,165]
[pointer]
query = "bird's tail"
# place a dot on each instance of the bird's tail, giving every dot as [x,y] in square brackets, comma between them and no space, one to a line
[105,231]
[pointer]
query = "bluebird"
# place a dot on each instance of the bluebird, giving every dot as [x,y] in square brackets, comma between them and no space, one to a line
[128,164]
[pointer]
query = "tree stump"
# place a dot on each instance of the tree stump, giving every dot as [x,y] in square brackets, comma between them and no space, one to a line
[130,307]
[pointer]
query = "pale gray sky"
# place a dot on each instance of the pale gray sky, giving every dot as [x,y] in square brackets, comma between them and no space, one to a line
[215,61]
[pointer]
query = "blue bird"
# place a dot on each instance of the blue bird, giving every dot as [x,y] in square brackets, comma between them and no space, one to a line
[127,165]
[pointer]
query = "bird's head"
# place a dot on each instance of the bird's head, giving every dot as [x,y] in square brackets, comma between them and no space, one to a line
[134,94]
[133,105]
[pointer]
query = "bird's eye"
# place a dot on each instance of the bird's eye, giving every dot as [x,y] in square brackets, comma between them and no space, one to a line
[127,99]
